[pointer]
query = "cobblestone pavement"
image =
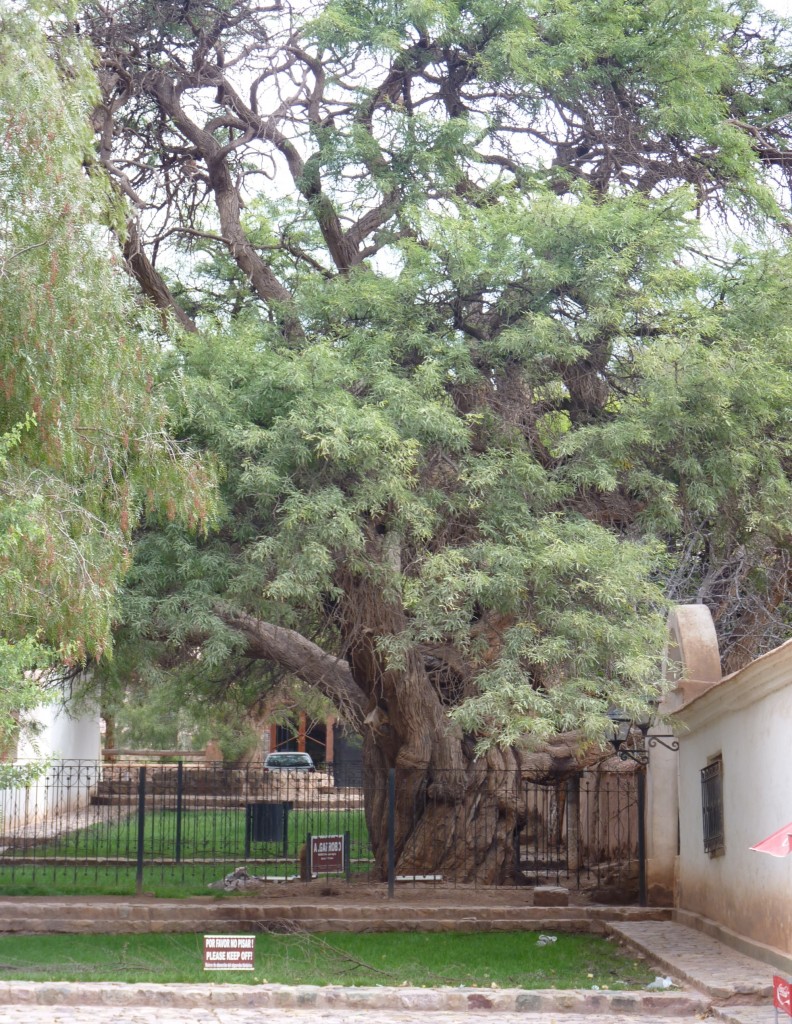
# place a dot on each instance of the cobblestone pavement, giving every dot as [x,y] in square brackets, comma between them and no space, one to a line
[700,961]
[764,1014]
[158,1015]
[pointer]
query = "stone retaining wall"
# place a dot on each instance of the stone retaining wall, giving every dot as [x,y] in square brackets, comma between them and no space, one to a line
[77,915]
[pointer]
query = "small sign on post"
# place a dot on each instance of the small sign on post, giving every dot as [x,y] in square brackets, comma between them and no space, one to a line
[327,855]
[229,952]
[782,996]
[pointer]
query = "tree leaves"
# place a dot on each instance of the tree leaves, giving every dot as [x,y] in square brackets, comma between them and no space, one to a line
[521,397]
[80,367]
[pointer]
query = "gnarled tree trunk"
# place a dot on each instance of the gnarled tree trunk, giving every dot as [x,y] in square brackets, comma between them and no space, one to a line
[465,835]
[455,815]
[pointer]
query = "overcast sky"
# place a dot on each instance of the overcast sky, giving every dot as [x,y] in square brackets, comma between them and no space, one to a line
[780,6]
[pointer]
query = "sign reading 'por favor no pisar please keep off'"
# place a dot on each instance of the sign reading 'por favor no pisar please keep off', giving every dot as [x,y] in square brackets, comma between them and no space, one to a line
[229,952]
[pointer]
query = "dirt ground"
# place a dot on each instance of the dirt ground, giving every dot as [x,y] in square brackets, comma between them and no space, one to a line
[405,893]
[355,894]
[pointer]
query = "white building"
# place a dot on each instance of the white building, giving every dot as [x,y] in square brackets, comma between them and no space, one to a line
[731,787]
[71,741]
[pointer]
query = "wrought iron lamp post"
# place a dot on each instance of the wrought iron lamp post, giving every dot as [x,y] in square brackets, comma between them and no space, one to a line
[632,742]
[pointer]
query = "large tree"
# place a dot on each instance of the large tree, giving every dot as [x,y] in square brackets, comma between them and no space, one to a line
[84,446]
[448,318]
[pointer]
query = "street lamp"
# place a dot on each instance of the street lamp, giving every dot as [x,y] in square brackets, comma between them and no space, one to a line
[624,729]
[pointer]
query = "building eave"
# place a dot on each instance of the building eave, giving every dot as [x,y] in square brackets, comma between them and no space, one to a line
[764,676]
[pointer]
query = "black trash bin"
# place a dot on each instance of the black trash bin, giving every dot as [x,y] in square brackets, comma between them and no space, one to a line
[267,822]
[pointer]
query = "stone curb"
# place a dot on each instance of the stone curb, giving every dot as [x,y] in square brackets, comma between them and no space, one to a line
[580,1001]
[17,914]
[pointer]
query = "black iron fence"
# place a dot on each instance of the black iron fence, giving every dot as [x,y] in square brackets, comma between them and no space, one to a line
[180,829]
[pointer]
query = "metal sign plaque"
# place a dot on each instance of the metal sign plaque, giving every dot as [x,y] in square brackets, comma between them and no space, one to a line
[327,854]
[229,952]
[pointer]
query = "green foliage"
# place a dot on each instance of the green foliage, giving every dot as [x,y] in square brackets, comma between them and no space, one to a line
[84,443]
[21,665]
[689,71]
[360,425]
[498,553]
[534,401]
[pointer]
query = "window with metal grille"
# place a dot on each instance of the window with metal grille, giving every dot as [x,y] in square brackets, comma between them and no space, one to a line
[712,806]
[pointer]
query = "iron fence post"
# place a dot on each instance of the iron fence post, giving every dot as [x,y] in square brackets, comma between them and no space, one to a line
[573,824]
[141,828]
[641,798]
[248,829]
[179,793]
[391,831]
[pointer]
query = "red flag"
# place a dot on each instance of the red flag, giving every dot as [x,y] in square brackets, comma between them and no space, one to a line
[779,844]
[782,994]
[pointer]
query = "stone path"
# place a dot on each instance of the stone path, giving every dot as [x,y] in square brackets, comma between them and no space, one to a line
[158,1015]
[285,910]
[698,960]
[764,1014]
[337,1000]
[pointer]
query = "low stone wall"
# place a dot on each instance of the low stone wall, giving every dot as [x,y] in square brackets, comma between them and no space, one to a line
[77,915]
[334,997]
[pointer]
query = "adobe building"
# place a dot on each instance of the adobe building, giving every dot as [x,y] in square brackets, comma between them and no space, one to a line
[728,787]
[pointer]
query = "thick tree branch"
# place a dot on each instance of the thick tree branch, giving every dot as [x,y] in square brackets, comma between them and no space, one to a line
[306,177]
[292,651]
[149,279]
[227,199]
[344,246]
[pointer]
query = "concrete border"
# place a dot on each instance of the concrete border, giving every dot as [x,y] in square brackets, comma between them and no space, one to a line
[21,915]
[545,1001]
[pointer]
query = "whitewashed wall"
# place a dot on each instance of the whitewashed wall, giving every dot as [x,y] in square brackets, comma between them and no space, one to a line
[746,718]
[65,788]
[63,734]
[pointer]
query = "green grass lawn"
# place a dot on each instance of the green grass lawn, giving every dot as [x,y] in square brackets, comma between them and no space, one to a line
[166,881]
[213,839]
[506,959]
[175,882]
[203,834]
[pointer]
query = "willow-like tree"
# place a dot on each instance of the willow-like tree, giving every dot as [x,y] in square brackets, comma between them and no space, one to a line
[448,315]
[84,447]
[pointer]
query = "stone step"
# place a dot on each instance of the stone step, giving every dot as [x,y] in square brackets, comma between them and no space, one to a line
[699,960]
[762,1013]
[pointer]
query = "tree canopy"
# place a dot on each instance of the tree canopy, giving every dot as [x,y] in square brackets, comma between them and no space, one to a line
[485,390]
[84,444]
